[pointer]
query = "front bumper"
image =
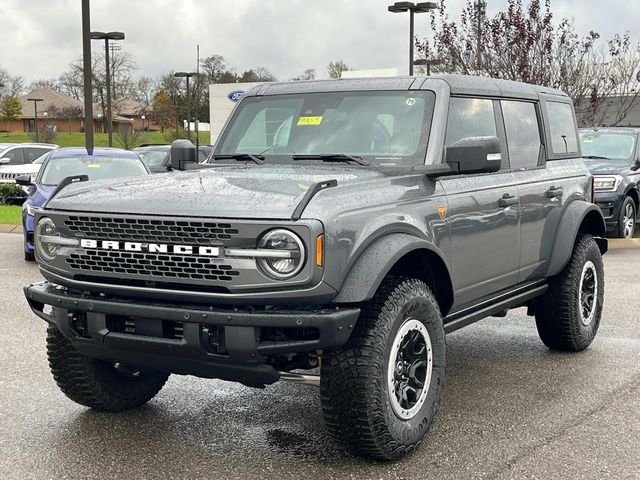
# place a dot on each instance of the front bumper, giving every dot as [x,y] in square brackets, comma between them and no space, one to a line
[609,203]
[213,342]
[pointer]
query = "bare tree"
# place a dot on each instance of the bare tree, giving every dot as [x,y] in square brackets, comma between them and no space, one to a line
[52,83]
[145,89]
[10,85]
[127,137]
[213,67]
[71,113]
[308,74]
[335,69]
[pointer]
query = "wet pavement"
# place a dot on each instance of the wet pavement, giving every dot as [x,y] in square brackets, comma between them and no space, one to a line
[511,410]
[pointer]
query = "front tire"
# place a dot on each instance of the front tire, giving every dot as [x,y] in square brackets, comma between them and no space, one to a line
[568,314]
[98,384]
[380,392]
[627,218]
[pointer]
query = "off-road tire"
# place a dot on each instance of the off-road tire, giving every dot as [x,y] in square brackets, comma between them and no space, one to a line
[627,203]
[557,312]
[354,393]
[96,383]
[29,256]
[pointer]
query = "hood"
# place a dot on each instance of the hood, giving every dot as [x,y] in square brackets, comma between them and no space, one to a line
[608,167]
[245,191]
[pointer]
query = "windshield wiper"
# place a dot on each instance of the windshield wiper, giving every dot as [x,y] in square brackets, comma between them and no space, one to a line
[332,157]
[240,157]
[595,157]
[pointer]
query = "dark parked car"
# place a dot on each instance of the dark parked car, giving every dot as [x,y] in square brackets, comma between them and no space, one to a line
[97,164]
[613,156]
[158,157]
[344,225]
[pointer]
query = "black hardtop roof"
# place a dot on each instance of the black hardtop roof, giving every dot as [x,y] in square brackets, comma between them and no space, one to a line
[458,84]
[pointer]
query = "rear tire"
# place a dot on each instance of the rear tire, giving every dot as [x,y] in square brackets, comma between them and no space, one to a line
[98,384]
[568,314]
[398,344]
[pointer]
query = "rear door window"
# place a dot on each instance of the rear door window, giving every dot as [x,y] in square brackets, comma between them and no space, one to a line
[562,128]
[523,133]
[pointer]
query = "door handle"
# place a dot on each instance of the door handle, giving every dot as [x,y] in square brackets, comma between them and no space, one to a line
[507,200]
[554,192]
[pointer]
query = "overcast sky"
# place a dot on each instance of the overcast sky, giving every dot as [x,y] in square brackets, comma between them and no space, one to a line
[41,37]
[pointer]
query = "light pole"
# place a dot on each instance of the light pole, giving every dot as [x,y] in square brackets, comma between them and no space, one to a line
[86,74]
[412,8]
[423,62]
[106,37]
[187,75]
[143,117]
[35,109]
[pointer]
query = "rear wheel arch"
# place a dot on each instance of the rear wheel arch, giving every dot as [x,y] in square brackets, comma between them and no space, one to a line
[579,218]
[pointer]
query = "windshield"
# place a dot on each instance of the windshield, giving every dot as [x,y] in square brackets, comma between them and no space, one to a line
[41,158]
[614,146]
[385,128]
[153,157]
[97,168]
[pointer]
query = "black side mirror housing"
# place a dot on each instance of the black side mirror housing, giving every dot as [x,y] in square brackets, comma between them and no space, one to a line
[475,155]
[636,166]
[183,153]
[24,180]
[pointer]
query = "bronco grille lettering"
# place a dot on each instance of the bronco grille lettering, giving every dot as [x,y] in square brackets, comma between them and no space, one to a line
[150,247]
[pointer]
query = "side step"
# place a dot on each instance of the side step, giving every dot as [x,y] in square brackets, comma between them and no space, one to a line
[471,315]
[300,378]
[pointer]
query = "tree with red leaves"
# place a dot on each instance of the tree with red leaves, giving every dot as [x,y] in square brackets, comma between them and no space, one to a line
[523,43]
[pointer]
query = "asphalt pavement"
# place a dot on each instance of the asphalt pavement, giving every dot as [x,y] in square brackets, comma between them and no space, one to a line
[511,409]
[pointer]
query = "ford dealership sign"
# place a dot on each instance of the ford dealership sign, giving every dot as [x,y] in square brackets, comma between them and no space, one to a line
[235,95]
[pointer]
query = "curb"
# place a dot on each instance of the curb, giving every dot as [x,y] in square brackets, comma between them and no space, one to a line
[620,243]
[11,228]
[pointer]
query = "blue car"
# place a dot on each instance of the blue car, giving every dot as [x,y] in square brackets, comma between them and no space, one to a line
[97,164]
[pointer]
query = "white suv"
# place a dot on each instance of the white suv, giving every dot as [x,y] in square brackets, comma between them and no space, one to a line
[16,158]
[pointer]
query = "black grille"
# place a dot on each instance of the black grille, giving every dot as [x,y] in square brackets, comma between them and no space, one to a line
[151,230]
[150,264]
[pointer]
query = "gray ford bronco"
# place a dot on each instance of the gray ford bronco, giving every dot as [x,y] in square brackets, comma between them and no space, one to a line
[342,226]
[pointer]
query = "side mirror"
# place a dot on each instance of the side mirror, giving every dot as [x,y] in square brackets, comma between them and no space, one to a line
[4,161]
[24,180]
[475,155]
[636,166]
[183,153]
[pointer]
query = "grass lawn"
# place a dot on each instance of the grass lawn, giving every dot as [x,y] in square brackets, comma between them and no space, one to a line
[10,215]
[74,139]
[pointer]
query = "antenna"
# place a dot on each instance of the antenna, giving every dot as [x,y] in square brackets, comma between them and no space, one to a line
[197,102]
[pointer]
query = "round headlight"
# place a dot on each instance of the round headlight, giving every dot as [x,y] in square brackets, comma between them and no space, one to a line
[288,254]
[44,231]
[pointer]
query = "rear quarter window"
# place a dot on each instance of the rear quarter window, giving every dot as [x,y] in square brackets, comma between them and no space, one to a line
[562,128]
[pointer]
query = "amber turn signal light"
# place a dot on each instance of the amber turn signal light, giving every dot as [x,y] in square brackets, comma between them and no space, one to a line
[320,250]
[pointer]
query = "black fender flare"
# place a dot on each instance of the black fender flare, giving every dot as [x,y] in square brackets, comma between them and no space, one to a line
[377,260]
[578,217]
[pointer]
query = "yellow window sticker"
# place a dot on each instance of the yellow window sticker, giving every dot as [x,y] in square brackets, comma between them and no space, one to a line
[93,165]
[310,120]
[587,140]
